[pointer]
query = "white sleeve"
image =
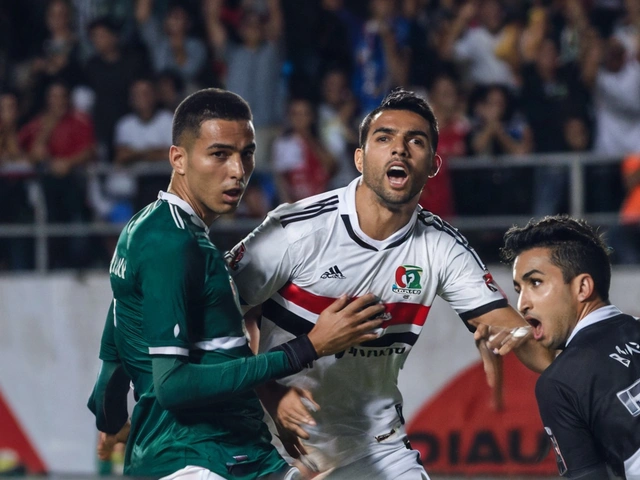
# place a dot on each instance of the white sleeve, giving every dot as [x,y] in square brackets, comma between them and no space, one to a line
[465,283]
[261,263]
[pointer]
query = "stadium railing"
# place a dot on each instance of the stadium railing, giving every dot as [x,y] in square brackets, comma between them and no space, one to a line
[41,230]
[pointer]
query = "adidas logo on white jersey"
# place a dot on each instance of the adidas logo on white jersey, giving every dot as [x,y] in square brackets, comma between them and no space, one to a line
[333,272]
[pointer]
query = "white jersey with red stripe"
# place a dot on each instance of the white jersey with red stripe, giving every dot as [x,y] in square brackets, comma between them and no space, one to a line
[307,254]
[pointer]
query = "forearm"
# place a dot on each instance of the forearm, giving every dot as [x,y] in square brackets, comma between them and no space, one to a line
[534,356]
[108,401]
[179,384]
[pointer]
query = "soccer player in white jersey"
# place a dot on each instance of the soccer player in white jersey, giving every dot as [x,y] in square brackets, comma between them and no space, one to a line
[371,236]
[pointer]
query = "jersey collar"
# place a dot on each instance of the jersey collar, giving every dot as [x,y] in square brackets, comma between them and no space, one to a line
[599,315]
[347,207]
[178,202]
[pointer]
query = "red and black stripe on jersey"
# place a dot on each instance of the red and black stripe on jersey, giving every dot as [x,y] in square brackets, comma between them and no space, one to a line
[401,313]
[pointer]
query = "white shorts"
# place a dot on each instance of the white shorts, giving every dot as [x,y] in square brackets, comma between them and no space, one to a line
[201,473]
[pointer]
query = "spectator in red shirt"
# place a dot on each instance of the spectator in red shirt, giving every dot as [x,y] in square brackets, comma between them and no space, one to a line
[59,140]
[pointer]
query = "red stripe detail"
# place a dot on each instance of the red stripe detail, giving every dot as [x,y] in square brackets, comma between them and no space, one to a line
[14,438]
[401,313]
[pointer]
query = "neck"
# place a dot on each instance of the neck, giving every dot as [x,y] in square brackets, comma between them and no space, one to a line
[590,307]
[179,189]
[377,219]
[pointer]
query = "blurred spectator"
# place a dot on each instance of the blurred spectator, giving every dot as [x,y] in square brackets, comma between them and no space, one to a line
[473,45]
[382,54]
[170,45]
[613,75]
[253,67]
[425,63]
[142,136]
[301,164]
[58,141]
[170,90]
[550,86]
[58,56]
[336,121]
[617,111]
[15,170]
[121,13]
[627,29]
[447,104]
[336,37]
[497,129]
[110,73]
[625,238]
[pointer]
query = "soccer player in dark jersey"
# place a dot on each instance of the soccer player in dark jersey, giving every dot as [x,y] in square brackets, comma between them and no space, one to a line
[589,397]
[175,329]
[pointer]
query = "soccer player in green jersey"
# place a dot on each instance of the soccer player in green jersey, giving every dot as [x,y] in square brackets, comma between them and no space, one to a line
[175,329]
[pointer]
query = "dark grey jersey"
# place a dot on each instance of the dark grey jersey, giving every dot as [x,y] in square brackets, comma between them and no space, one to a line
[589,398]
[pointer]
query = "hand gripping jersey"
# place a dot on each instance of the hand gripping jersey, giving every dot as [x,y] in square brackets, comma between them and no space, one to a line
[307,254]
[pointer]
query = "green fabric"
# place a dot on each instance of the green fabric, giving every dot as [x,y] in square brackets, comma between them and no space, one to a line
[195,404]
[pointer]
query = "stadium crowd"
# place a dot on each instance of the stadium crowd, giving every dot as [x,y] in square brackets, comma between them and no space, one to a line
[95,82]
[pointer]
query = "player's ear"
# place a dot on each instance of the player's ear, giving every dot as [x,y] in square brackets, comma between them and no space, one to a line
[358,158]
[435,167]
[585,287]
[177,157]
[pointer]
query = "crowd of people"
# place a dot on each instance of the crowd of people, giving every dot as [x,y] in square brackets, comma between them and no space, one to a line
[96,82]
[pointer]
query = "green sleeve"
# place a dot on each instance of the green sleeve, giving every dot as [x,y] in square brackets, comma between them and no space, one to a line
[180,384]
[108,401]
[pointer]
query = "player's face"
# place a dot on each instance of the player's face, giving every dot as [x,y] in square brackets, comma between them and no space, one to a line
[548,303]
[397,158]
[218,164]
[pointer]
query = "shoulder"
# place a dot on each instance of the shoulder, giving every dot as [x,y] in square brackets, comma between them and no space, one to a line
[159,228]
[311,211]
[430,224]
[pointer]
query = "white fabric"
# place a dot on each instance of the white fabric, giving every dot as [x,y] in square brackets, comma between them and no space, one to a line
[632,466]
[358,391]
[596,316]
[193,473]
[477,49]
[133,133]
[618,110]
[222,343]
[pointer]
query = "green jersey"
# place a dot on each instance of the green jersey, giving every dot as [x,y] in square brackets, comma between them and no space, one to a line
[173,298]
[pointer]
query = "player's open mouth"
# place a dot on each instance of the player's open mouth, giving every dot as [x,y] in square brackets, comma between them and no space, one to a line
[397,176]
[536,325]
[233,194]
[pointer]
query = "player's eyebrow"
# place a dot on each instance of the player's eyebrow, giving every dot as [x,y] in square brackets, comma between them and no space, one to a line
[224,146]
[385,130]
[392,131]
[530,273]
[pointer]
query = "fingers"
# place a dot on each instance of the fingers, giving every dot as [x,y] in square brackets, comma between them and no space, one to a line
[341,302]
[360,303]
[307,399]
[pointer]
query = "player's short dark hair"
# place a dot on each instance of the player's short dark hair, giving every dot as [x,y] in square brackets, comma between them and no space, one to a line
[401,99]
[576,247]
[207,104]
